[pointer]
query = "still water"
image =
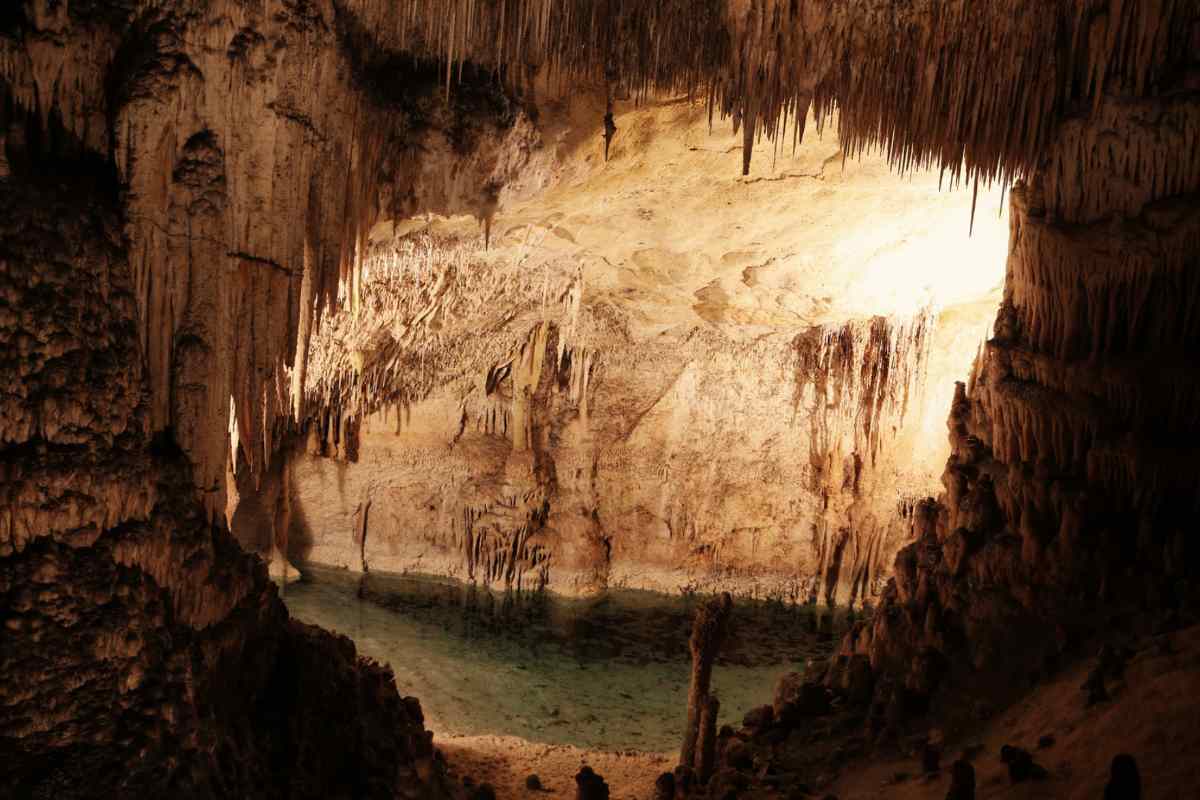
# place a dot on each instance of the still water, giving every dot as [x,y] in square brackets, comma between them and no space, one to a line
[605,673]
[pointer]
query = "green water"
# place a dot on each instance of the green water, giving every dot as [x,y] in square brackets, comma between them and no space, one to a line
[606,673]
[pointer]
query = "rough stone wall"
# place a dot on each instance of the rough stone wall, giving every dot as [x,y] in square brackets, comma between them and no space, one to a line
[726,412]
[142,649]
[250,145]
[181,186]
[1070,503]
[267,115]
[465,428]
[256,144]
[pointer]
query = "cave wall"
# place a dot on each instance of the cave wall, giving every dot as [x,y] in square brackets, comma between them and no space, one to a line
[173,181]
[255,145]
[1069,505]
[666,466]
[725,412]
[142,649]
[248,144]
[466,429]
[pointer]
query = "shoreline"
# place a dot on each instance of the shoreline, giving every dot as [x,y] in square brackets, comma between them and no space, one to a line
[506,761]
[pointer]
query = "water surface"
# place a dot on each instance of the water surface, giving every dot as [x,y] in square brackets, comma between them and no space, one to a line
[605,673]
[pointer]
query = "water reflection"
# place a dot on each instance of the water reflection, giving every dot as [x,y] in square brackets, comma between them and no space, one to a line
[608,672]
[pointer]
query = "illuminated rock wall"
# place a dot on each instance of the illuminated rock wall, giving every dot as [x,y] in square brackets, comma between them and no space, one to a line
[465,427]
[1068,503]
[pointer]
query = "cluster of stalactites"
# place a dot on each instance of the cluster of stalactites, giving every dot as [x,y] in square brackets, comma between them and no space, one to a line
[499,543]
[965,85]
[856,382]
[252,158]
[979,88]
[434,310]
[1090,371]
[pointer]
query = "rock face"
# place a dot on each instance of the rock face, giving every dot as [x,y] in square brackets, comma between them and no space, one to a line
[536,483]
[1067,501]
[142,648]
[687,392]
[255,149]
[173,182]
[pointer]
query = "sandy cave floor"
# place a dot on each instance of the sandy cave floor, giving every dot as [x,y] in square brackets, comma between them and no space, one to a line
[506,761]
[1152,715]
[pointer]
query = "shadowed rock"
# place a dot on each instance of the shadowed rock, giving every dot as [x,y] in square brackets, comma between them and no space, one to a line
[1125,782]
[1021,766]
[962,781]
[590,786]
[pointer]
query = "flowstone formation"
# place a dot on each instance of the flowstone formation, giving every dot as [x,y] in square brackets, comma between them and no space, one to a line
[691,391]
[155,164]
[142,649]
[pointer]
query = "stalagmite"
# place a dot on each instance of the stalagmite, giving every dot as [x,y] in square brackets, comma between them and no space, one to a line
[708,631]
[706,746]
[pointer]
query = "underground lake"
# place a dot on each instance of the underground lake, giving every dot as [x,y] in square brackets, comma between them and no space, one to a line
[600,673]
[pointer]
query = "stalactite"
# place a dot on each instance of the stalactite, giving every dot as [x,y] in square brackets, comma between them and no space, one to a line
[855,382]
[244,234]
[932,83]
[421,299]
[855,386]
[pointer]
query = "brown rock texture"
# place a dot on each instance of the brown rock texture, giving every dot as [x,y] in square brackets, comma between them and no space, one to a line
[1068,500]
[155,161]
[142,649]
[254,148]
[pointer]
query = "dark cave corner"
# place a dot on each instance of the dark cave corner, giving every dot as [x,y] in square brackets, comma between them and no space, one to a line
[155,654]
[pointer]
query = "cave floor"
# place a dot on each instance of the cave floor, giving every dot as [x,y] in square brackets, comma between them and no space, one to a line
[506,761]
[1151,715]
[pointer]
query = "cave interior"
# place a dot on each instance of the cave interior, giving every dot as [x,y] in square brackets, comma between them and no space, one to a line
[675,340]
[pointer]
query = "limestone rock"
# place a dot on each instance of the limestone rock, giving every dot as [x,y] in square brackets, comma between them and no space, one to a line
[797,697]
[702,417]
